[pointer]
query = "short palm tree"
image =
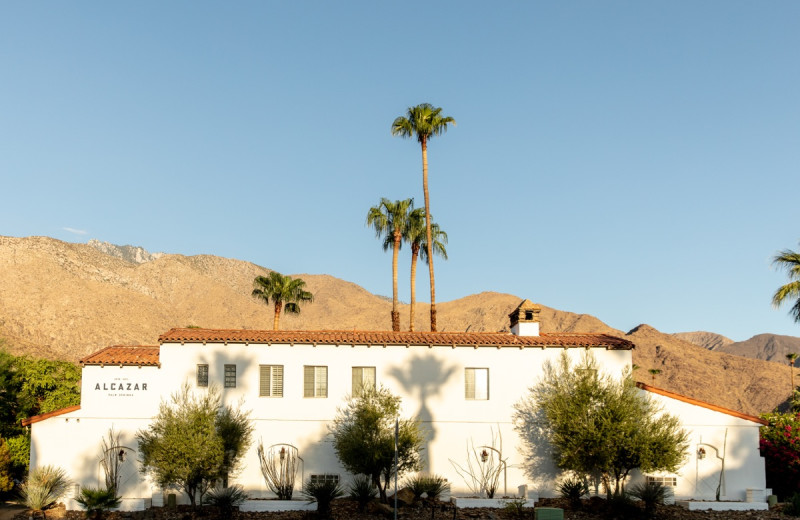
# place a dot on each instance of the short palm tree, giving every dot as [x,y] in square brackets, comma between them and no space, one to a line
[654,372]
[789,260]
[390,221]
[416,237]
[423,122]
[285,293]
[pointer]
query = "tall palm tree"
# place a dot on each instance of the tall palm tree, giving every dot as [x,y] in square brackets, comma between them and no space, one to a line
[789,260]
[423,122]
[792,356]
[285,293]
[416,237]
[390,221]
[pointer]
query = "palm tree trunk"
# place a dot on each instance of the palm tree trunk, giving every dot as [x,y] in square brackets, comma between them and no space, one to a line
[414,254]
[395,312]
[276,321]
[428,231]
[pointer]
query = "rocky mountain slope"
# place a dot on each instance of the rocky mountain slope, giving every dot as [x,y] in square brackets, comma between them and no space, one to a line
[708,340]
[66,300]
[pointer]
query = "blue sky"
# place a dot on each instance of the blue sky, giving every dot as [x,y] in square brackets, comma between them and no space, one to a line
[637,161]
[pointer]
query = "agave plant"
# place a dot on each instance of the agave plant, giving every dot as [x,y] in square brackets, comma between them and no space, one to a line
[44,487]
[96,501]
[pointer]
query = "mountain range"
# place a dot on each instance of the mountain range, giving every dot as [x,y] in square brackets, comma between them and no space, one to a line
[64,300]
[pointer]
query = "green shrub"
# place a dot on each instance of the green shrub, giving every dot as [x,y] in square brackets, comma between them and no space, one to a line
[516,507]
[620,506]
[573,489]
[652,494]
[323,492]
[792,506]
[362,490]
[227,498]
[432,485]
[95,501]
[44,487]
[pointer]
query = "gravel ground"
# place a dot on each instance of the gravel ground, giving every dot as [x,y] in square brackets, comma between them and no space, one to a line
[347,510]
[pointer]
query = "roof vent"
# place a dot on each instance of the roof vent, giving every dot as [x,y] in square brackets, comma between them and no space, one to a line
[525,319]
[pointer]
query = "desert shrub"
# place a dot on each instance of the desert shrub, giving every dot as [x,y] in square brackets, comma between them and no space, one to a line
[516,507]
[362,490]
[432,485]
[95,501]
[44,487]
[323,492]
[620,506]
[792,506]
[227,498]
[652,494]
[573,489]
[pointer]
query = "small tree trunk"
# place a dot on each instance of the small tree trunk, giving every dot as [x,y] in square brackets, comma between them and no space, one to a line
[395,252]
[414,254]
[428,231]
[277,319]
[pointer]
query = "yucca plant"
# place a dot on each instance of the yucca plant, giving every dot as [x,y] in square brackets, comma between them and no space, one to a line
[651,494]
[573,489]
[362,490]
[432,485]
[44,487]
[96,501]
[227,498]
[323,492]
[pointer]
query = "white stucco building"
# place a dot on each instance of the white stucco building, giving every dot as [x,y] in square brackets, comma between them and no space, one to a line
[462,386]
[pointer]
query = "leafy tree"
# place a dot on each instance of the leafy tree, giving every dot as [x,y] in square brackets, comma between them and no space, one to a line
[790,261]
[28,387]
[597,425]
[285,293]
[390,221]
[780,447]
[423,122]
[194,442]
[416,236]
[6,477]
[363,437]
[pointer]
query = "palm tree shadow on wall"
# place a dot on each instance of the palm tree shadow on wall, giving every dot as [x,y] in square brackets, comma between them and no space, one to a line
[423,378]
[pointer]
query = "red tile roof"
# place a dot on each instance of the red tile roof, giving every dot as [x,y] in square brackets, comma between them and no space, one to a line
[119,355]
[702,404]
[42,417]
[346,337]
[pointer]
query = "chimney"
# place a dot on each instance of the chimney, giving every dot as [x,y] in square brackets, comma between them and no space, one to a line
[525,319]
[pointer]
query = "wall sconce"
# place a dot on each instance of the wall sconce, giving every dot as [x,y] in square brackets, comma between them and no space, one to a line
[701,453]
[484,456]
[283,454]
[121,455]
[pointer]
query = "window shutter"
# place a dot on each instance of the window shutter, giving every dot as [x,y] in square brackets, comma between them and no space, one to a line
[482,383]
[357,373]
[469,383]
[308,381]
[264,381]
[321,382]
[277,381]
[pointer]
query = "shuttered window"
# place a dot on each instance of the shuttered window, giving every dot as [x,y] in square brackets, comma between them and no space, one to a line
[315,381]
[230,376]
[476,383]
[363,378]
[270,383]
[202,375]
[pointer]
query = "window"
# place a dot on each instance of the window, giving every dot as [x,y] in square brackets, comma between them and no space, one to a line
[324,478]
[230,376]
[202,375]
[270,383]
[476,383]
[363,377]
[315,381]
[665,481]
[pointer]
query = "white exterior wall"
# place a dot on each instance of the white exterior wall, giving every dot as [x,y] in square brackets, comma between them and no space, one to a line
[429,380]
[699,478]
